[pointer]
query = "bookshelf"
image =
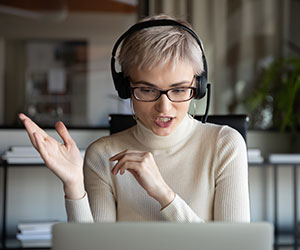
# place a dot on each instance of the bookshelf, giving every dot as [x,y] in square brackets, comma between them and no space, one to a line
[284,240]
[7,243]
[55,81]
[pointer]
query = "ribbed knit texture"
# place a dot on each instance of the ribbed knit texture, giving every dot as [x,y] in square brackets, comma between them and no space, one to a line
[204,164]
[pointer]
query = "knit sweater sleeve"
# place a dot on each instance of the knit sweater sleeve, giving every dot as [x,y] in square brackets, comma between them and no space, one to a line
[99,203]
[179,211]
[231,178]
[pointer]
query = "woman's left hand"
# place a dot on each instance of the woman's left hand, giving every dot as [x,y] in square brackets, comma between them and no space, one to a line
[143,167]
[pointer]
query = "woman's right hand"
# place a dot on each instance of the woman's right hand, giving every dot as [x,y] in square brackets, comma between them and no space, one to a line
[64,160]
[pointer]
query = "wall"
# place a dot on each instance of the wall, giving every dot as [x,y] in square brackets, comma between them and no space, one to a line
[90,27]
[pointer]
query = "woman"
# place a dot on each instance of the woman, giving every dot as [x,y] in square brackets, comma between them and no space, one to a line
[167,167]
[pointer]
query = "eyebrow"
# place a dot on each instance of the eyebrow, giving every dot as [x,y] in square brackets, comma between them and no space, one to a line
[154,86]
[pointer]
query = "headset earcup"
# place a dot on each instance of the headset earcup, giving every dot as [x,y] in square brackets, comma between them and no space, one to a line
[201,83]
[122,85]
[126,86]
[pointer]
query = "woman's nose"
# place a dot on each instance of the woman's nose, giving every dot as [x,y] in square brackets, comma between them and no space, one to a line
[163,104]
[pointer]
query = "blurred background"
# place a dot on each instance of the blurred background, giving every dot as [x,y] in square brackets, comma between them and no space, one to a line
[55,58]
[55,65]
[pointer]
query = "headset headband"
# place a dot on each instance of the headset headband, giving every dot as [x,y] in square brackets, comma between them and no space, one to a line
[154,23]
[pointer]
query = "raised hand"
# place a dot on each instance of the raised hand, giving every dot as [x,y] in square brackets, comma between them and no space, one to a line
[143,167]
[64,160]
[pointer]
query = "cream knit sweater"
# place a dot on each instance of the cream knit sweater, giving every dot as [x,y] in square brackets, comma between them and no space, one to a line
[204,164]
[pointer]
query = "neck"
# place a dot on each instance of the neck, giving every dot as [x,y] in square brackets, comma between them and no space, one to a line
[146,136]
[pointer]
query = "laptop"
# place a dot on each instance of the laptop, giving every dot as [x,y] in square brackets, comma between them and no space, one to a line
[162,236]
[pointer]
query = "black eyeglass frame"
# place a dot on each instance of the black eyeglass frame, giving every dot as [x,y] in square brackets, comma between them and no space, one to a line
[165,92]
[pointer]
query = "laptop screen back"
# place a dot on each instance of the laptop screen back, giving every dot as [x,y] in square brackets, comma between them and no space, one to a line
[162,236]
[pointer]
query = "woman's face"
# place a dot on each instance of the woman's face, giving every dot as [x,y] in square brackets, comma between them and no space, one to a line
[162,116]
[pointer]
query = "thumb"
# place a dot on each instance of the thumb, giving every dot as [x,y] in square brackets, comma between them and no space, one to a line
[63,133]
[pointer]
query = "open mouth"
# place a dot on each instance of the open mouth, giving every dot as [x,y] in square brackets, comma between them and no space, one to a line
[163,119]
[163,122]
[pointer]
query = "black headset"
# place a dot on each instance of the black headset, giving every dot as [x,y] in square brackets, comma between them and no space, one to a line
[122,84]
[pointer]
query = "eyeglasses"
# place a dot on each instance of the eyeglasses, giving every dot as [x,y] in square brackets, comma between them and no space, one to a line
[150,94]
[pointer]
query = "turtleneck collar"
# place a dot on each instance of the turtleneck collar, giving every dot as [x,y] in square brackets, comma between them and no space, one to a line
[146,137]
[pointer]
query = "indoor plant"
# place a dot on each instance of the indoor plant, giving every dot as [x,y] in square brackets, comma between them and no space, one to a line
[279,94]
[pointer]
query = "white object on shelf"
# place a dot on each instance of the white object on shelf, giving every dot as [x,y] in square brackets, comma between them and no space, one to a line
[36,226]
[22,150]
[36,243]
[259,159]
[25,155]
[254,155]
[57,81]
[23,160]
[284,158]
[35,234]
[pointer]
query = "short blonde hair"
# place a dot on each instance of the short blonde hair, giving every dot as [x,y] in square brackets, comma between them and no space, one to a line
[159,46]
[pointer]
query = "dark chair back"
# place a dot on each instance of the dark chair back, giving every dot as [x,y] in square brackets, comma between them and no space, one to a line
[119,122]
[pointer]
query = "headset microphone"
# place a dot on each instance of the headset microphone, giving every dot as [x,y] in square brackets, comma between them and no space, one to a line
[121,82]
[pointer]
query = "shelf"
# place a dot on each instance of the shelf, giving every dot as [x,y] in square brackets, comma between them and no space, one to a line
[23,165]
[15,244]
[267,163]
[43,98]
[285,240]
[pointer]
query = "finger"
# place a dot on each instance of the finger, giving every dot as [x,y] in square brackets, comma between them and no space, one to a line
[117,156]
[31,126]
[128,165]
[128,157]
[30,133]
[117,167]
[63,133]
[126,153]
[22,116]
[40,145]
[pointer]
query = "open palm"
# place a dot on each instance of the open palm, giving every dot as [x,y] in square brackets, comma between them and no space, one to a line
[64,159]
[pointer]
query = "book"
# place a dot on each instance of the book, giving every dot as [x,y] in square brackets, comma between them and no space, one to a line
[22,153]
[25,155]
[36,243]
[35,226]
[35,233]
[284,158]
[38,236]
[254,152]
[254,155]
[258,159]
[22,149]
[23,160]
